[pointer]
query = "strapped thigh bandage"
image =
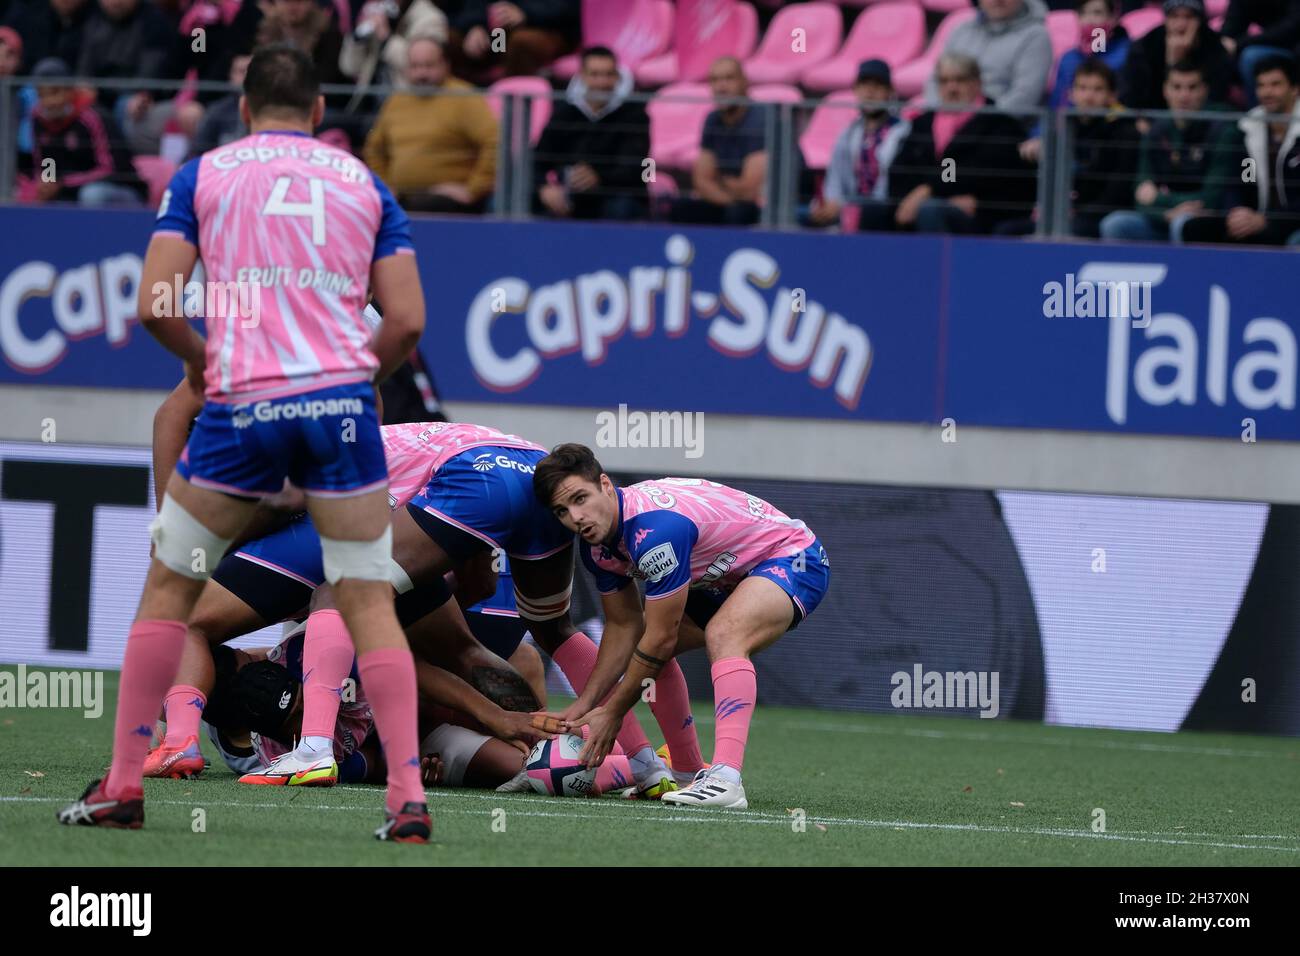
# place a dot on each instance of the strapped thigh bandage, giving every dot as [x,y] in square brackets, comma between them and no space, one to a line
[359,560]
[183,544]
[543,608]
[456,747]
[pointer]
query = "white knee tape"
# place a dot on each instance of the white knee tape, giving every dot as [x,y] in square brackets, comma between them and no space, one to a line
[183,544]
[543,608]
[359,560]
[401,581]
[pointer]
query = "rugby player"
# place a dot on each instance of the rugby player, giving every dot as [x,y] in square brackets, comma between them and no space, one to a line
[722,570]
[304,231]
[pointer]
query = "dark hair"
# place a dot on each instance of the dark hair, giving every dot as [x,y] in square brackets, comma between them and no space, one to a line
[561,463]
[591,51]
[281,77]
[1278,61]
[1186,66]
[1095,66]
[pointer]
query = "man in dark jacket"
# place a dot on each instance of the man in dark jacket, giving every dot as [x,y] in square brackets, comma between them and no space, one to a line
[958,170]
[126,39]
[1185,167]
[49,28]
[591,156]
[1279,32]
[1184,37]
[1265,210]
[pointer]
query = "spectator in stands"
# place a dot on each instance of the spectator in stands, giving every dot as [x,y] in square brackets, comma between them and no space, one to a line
[75,156]
[375,52]
[436,150]
[1009,41]
[532,34]
[959,170]
[1101,36]
[221,122]
[731,168]
[1105,153]
[228,29]
[1268,213]
[133,39]
[1279,32]
[11,58]
[1184,37]
[591,156]
[858,174]
[1184,165]
[50,28]
[310,28]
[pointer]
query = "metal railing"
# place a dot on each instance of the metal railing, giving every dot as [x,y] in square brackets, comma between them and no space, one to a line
[788,188]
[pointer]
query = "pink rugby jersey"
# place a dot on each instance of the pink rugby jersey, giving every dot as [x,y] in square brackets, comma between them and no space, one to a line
[415,451]
[680,532]
[287,229]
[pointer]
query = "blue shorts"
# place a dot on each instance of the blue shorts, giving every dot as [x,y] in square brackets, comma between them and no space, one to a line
[326,442]
[804,576]
[495,621]
[483,499]
[276,574]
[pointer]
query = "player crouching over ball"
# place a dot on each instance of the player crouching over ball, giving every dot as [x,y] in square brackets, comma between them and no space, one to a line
[722,570]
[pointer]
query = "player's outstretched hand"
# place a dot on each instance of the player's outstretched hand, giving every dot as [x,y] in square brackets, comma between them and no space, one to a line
[603,728]
[548,724]
[431,770]
[517,728]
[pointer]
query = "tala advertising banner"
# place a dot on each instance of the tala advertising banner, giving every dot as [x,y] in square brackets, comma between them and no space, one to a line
[1148,339]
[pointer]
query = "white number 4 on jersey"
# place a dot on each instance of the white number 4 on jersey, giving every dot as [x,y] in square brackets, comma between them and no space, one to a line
[314,208]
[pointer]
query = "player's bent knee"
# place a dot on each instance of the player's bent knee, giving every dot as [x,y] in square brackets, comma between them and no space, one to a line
[358,560]
[183,544]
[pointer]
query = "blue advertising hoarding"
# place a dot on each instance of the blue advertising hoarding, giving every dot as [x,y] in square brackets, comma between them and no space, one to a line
[1142,339]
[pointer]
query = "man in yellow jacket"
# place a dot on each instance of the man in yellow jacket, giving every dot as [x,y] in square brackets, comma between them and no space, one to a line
[434,146]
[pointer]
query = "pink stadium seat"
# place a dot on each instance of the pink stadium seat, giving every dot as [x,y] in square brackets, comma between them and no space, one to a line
[632,41]
[1063,29]
[1140,22]
[775,93]
[910,79]
[777,61]
[534,87]
[677,116]
[663,69]
[1216,23]
[893,32]
[1216,8]
[945,6]
[830,118]
[157,174]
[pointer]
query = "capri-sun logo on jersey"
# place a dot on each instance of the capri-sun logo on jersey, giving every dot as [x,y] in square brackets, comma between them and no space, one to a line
[656,563]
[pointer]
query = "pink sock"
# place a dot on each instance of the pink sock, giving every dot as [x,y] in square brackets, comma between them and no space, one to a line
[735,691]
[326,662]
[576,657]
[672,709]
[388,675]
[153,655]
[184,708]
[614,774]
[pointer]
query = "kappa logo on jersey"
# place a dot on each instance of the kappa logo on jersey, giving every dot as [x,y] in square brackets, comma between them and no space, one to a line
[658,562]
[640,536]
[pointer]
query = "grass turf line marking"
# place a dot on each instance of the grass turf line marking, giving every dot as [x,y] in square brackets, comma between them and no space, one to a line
[702,815]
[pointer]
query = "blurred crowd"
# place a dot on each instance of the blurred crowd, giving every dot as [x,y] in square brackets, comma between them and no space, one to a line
[961,153]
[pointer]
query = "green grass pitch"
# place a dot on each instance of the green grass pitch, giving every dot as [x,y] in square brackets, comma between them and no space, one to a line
[874,790]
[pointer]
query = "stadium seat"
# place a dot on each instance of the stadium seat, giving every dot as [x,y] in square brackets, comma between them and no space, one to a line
[1063,29]
[1140,22]
[777,61]
[910,78]
[1216,8]
[634,41]
[830,118]
[534,87]
[677,115]
[945,6]
[893,32]
[775,93]
[660,70]
[157,174]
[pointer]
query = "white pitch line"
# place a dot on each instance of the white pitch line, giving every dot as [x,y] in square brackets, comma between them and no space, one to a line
[1020,739]
[724,816]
